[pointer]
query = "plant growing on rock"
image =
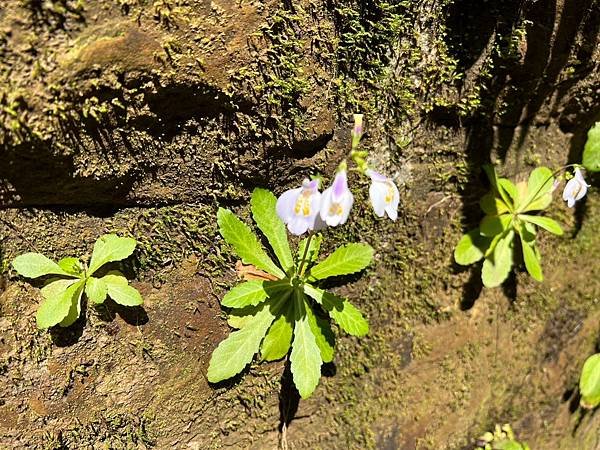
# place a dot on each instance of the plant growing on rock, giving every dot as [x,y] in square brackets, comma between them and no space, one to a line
[589,382]
[591,151]
[512,210]
[287,311]
[69,279]
[503,438]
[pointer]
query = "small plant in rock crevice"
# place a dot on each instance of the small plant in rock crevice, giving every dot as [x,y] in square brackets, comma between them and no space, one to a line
[69,279]
[288,311]
[512,210]
[589,383]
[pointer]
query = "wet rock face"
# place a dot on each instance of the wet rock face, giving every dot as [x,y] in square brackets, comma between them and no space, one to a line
[135,105]
[140,117]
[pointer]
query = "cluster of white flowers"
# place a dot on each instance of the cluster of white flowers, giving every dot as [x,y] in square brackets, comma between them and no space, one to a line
[305,208]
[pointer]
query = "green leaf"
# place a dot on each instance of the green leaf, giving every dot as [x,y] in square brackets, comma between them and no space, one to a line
[323,335]
[110,248]
[72,266]
[33,265]
[508,445]
[496,266]
[305,358]
[119,290]
[589,383]
[278,340]
[471,248]
[510,189]
[265,215]
[492,205]
[496,185]
[57,305]
[345,260]
[313,250]
[539,190]
[345,314]
[245,243]
[96,290]
[56,286]
[544,222]
[245,294]
[124,294]
[75,309]
[532,262]
[236,352]
[490,226]
[239,318]
[591,151]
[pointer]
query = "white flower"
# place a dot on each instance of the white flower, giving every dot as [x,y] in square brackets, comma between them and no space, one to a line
[384,195]
[337,201]
[575,189]
[299,208]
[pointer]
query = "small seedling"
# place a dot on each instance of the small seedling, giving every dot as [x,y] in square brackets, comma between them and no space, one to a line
[511,210]
[503,438]
[287,313]
[589,383]
[70,278]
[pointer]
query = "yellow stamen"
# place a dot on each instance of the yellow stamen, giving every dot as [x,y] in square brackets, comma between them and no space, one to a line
[389,196]
[302,205]
[336,209]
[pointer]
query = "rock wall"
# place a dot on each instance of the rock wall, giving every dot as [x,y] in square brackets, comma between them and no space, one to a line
[142,117]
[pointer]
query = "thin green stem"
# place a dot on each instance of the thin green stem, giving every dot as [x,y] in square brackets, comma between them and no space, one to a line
[556,172]
[303,260]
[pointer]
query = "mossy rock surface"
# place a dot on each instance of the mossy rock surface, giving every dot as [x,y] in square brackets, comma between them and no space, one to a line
[142,117]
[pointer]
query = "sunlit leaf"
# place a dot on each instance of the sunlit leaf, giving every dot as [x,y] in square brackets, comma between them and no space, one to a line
[345,314]
[110,248]
[237,351]
[264,213]
[345,260]
[57,305]
[589,383]
[33,265]
[96,290]
[490,226]
[546,223]
[591,151]
[496,266]
[471,248]
[305,358]
[245,243]
[278,340]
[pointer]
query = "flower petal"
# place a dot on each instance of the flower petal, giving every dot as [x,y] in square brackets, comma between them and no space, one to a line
[376,176]
[377,193]
[346,206]
[286,203]
[299,225]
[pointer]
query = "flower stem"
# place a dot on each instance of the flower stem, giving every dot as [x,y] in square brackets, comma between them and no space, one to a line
[556,172]
[303,260]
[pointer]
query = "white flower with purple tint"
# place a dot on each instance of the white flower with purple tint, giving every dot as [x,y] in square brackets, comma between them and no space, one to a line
[299,208]
[337,201]
[575,189]
[384,195]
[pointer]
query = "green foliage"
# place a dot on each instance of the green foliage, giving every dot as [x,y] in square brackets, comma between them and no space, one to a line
[589,383]
[289,315]
[503,438]
[63,294]
[591,151]
[508,212]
